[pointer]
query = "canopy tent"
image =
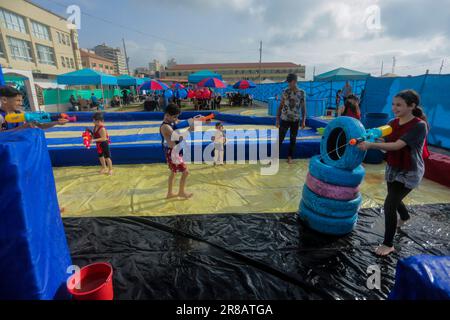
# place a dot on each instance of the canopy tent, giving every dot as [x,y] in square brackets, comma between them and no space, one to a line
[125,80]
[341,74]
[86,77]
[203,74]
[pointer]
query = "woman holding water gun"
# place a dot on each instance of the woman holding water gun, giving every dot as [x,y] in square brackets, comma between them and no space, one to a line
[405,167]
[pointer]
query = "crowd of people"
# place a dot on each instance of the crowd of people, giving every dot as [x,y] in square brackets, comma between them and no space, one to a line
[238,99]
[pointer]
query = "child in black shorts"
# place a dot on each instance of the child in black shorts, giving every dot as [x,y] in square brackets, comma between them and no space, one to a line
[101,138]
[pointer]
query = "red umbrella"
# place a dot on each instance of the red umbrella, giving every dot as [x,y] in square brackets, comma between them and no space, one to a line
[178,86]
[153,85]
[211,83]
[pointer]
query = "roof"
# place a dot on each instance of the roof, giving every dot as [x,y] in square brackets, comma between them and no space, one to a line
[341,74]
[85,53]
[216,66]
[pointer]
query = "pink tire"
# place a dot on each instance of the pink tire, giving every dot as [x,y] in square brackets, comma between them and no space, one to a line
[330,191]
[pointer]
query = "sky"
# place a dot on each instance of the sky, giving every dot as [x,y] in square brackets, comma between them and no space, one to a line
[323,35]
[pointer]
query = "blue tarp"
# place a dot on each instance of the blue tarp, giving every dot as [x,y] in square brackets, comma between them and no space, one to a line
[422,278]
[203,74]
[435,100]
[34,255]
[2,78]
[315,91]
[86,77]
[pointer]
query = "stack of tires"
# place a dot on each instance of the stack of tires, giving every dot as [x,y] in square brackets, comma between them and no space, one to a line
[331,198]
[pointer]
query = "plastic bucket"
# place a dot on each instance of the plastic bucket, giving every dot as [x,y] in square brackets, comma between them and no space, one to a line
[94,283]
[375,120]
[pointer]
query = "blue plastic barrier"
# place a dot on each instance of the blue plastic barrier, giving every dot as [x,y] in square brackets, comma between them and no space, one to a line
[422,278]
[435,99]
[34,255]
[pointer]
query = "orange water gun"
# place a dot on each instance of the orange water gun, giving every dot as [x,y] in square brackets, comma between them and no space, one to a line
[87,138]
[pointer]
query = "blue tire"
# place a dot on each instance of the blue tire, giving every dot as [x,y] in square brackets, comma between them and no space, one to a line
[330,207]
[336,176]
[326,225]
[335,148]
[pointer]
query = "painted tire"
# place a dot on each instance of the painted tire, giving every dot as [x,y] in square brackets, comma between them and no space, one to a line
[329,207]
[334,147]
[336,176]
[326,225]
[330,191]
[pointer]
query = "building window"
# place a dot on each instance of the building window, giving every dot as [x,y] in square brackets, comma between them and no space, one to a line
[12,21]
[94,64]
[72,63]
[20,49]
[45,55]
[40,31]
[67,40]
[2,48]
[63,62]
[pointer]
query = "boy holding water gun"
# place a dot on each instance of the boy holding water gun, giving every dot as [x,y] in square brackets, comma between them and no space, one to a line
[101,138]
[11,101]
[169,140]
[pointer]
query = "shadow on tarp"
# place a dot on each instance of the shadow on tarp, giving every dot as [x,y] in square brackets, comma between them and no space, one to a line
[252,256]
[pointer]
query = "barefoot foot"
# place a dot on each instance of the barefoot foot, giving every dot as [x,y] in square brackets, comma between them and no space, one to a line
[290,161]
[383,250]
[185,195]
[110,173]
[103,171]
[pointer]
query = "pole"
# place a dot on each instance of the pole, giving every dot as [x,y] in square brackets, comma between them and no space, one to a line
[126,56]
[394,60]
[442,66]
[382,66]
[260,60]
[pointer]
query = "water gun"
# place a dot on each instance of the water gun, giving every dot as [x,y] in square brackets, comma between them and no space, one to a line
[87,138]
[188,123]
[41,117]
[372,134]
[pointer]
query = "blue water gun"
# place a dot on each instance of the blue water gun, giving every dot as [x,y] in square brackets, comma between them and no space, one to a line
[41,117]
[372,135]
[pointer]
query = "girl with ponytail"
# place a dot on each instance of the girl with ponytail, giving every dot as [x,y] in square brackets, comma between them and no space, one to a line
[405,149]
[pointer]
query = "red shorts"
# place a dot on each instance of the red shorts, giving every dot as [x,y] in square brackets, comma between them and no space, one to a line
[175,166]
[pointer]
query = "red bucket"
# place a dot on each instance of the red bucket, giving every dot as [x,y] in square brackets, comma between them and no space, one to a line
[95,283]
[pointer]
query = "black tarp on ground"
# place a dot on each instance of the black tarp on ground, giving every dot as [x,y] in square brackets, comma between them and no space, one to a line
[264,256]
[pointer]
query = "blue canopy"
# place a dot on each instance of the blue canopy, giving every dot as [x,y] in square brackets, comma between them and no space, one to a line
[203,74]
[341,74]
[126,80]
[2,79]
[86,77]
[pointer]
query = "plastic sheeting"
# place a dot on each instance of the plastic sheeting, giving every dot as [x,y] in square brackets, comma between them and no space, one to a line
[422,278]
[141,190]
[435,99]
[34,254]
[251,256]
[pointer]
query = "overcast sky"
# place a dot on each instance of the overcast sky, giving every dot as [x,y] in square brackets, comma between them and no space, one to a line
[315,33]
